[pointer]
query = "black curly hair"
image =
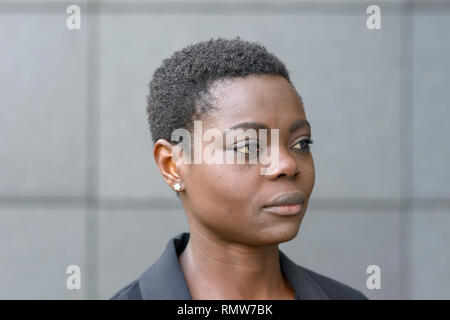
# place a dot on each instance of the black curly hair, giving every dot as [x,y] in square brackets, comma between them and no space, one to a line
[179,88]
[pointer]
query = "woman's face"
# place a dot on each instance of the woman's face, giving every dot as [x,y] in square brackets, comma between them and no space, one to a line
[226,200]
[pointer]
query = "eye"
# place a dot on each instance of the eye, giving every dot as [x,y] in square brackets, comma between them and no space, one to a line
[304,145]
[248,148]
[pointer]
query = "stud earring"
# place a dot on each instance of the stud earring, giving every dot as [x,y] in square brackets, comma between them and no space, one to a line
[177,186]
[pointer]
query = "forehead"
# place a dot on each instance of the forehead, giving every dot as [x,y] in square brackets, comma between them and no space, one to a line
[257,98]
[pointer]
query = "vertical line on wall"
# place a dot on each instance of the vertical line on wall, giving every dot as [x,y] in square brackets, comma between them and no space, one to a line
[91,275]
[406,118]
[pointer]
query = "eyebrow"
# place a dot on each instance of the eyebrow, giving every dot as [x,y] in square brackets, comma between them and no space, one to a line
[299,124]
[249,125]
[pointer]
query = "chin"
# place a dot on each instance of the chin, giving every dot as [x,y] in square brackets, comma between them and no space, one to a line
[278,234]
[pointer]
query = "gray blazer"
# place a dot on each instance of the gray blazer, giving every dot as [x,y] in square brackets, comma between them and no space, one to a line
[164,279]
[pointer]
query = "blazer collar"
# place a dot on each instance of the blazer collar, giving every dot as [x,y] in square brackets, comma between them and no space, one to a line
[164,280]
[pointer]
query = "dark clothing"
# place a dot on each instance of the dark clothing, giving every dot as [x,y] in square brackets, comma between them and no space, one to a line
[164,280]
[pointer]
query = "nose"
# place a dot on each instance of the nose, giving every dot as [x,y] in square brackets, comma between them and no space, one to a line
[286,166]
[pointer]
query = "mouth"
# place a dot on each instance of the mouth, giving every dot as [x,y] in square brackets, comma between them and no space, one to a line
[286,204]
[284,210]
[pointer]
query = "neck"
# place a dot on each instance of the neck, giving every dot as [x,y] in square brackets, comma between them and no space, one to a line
[218,269]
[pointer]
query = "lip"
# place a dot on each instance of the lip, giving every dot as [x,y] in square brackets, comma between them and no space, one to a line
[286,204]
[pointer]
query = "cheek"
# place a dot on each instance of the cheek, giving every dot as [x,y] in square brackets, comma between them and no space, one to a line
[309,175]
[222,193]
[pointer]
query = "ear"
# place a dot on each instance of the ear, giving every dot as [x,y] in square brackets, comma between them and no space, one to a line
[162,152]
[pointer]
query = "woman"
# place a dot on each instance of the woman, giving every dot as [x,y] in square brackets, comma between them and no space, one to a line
[238,213]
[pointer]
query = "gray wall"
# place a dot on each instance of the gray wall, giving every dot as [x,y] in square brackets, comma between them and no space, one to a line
[78,183]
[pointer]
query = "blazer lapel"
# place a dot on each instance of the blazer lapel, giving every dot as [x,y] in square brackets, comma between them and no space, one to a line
[305,286]
[164,280]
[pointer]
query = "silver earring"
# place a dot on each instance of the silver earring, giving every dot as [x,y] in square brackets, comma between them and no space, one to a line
[177,186]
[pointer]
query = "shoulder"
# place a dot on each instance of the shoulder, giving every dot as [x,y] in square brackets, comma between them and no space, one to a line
[334,289]
[131,291]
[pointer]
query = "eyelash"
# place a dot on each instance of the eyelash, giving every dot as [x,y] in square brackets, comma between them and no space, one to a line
[307,141]
[247,145]
[306,148]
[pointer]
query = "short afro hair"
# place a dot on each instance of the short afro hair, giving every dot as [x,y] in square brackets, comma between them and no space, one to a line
[179,87]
